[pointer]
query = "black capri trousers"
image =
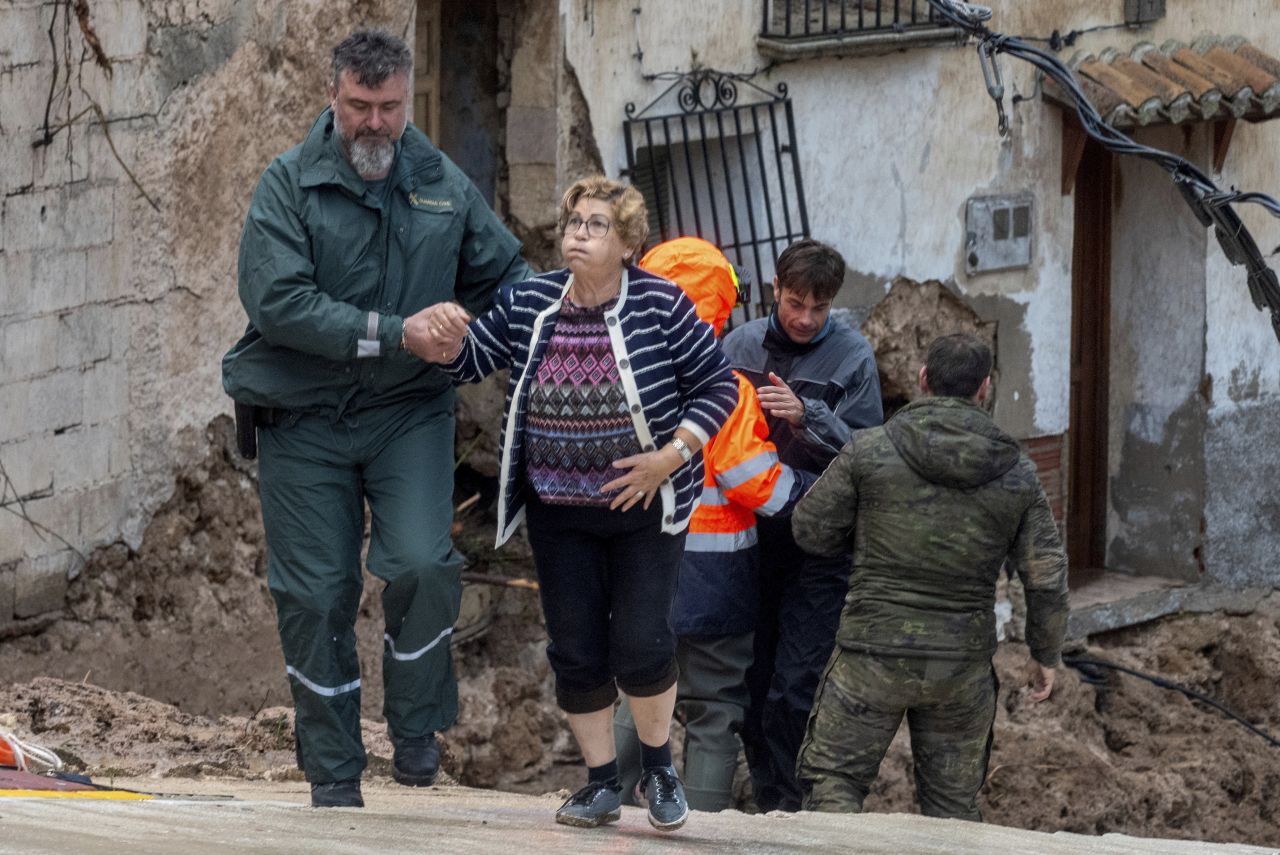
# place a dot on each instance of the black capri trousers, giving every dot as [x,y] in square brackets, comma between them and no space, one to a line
[607,581]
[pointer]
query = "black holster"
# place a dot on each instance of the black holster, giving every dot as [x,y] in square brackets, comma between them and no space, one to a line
[246,431]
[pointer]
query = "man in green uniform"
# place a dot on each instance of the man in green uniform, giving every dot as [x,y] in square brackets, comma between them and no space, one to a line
[932,504]
[349,236]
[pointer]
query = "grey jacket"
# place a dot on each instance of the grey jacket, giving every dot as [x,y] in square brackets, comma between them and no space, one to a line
[836,378]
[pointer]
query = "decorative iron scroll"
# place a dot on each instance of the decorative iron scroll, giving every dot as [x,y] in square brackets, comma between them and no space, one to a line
[715,156]
[704,89]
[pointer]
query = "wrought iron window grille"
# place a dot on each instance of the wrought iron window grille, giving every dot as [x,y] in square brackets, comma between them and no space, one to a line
[806,18]
[796,29]
[715,157]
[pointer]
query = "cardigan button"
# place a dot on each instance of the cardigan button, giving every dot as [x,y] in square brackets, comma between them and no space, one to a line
[635,408]
[612,321]
[624,364]
[650,447]
[668,519]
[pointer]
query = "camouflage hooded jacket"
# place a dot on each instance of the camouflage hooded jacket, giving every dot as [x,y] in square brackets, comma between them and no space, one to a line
[933,504]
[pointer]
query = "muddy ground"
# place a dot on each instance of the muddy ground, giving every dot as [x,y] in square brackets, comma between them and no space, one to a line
[166,664]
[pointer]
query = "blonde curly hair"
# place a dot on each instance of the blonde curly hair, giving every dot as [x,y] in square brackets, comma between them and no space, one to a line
[630,218]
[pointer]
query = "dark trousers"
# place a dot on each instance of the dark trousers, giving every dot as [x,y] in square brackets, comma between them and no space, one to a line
[801,599]
[607,581]
[950,707]
[314,477]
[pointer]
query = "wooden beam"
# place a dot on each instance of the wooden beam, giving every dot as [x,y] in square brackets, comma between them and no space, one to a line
[1222,133]
[1073,140]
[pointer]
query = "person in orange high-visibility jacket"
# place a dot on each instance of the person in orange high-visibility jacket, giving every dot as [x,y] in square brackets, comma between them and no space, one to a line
[717,600]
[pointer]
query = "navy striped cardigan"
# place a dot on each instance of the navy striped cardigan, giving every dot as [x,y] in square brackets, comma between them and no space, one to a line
[670,363]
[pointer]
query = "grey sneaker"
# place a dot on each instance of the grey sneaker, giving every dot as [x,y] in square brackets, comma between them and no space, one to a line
[664,794]
[594,805]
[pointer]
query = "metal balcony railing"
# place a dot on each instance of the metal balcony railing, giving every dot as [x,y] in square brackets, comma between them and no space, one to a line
[798,19]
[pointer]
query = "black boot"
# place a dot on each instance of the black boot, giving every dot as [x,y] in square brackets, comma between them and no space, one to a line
[416,761]
[337,794]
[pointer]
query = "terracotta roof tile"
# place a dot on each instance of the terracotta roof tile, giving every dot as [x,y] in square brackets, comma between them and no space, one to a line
[1211,79]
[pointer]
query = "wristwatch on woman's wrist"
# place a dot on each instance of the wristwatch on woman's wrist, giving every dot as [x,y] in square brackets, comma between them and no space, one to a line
[682,448]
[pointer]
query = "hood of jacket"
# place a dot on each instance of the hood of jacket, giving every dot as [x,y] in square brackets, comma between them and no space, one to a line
[950,441]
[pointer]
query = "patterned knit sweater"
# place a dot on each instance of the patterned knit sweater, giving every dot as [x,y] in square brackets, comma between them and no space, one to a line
[578,421]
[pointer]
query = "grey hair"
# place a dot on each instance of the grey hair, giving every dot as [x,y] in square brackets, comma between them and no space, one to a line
[371,56]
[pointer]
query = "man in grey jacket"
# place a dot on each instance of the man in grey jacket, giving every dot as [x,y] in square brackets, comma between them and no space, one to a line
[817,381]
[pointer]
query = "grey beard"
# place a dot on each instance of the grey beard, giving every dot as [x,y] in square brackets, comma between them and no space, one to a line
[371,156]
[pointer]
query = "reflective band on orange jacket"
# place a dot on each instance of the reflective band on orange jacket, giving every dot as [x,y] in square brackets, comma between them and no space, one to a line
[718,592]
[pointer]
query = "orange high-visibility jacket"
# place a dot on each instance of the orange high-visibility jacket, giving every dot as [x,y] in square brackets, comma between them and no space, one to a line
[718,592]
[743,477]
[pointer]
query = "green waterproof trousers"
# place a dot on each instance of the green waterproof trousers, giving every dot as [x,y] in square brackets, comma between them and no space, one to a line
[315,474]
[950,707]
[712,697]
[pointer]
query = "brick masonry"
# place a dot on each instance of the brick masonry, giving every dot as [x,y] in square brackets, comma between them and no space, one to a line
[1048,455]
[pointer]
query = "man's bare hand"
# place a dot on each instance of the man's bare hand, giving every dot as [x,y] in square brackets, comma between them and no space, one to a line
[1040,680]
[778,400]
[435,334]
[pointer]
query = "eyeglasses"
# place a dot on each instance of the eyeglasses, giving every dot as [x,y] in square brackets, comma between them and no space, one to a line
[597,227]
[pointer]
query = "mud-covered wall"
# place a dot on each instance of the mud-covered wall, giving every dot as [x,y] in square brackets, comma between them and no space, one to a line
[1242,361]
[117,248]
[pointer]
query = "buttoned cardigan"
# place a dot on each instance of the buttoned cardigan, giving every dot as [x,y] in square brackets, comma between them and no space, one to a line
[670,363]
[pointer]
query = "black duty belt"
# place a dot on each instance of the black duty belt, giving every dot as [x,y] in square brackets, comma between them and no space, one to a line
[248,419]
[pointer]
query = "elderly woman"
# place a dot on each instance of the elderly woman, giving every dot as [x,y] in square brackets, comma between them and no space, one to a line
[615,385]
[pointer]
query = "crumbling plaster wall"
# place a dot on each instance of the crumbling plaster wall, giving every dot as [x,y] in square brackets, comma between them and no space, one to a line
[1157,390]
[1242,364]
[886,143]
[891,148]
[113,314]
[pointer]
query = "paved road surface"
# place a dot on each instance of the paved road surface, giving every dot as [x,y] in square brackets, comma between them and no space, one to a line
[266,817]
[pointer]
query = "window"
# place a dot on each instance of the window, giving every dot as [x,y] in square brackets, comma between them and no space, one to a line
[794,29]
[722,170]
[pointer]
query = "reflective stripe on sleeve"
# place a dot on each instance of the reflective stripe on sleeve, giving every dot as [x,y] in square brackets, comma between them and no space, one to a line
[781,492]
[743,472]
[720,541]
[369,345]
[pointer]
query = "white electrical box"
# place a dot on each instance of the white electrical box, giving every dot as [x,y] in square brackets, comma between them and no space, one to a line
[998,232]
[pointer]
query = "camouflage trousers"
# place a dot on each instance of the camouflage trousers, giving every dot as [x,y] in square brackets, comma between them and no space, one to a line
[950,707]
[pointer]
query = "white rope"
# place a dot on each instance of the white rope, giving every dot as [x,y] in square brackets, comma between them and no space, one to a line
[26,753]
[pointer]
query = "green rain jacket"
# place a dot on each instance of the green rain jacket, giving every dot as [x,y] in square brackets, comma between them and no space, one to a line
[328,272]
[933,504]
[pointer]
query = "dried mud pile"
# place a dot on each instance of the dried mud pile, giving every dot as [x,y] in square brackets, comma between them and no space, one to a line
[167,664]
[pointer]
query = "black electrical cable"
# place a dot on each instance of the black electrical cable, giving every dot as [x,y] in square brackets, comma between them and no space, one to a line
[1087,666]
[1057,41]
[1211,205]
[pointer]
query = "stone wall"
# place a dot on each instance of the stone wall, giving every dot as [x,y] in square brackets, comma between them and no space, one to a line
[117,249]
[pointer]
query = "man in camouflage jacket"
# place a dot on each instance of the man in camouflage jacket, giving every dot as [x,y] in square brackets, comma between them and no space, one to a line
[933,504]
